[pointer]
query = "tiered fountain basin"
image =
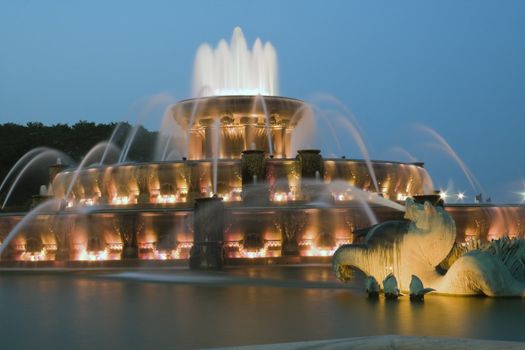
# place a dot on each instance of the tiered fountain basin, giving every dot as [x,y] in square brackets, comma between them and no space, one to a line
[273,206]
[181,182]
[244,122]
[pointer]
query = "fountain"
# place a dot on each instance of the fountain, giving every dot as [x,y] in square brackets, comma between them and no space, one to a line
[244,188]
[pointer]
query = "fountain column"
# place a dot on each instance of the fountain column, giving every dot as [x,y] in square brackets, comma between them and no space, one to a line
[312,170]
[254,189]
[208,234]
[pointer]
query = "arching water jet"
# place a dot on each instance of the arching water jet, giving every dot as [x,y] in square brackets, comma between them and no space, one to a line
[445,146]
[87,157]
[54,154]
[110,142]
[49,205]
[20,161]
[128,143]
[362,147]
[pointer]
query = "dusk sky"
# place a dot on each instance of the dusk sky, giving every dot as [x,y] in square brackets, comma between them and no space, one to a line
[455,66]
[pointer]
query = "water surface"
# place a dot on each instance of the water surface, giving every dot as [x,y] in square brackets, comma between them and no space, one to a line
[183,310]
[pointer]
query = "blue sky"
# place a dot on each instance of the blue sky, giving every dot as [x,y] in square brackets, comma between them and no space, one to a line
[455,66]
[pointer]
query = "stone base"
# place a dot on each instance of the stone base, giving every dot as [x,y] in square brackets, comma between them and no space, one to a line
[207,256]
[290,249]
[62,255]
[130,253]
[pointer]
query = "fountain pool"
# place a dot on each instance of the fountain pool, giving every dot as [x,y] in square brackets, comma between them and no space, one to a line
[239,306]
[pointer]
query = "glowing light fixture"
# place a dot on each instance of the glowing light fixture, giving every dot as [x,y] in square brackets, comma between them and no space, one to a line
[167,198]
[401,197]
[124,200]
[280,197]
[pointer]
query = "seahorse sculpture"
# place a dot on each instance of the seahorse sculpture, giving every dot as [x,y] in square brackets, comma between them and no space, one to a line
[416,246]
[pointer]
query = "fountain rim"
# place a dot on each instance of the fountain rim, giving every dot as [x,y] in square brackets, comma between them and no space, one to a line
[94,167]
[227,97]
[218,106]
[155,208]
[241,208]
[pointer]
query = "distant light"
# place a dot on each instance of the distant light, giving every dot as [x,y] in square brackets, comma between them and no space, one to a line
[522,197]
[443,195]
[461,196]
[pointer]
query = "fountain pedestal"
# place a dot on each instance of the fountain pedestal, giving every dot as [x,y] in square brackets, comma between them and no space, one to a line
[62,255]
[312,170]
[208,230]
[129,252]
[254,189]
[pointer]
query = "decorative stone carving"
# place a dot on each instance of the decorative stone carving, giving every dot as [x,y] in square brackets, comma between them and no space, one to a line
[290,225]
[127,226]
[418,245]
[142,177]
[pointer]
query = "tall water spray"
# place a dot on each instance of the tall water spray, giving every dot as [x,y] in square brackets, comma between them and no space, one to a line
[259,98]
[215,152]
[235,69]
[400,151]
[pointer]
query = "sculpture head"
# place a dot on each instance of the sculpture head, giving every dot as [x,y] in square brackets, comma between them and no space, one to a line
[420,215]
[433,230]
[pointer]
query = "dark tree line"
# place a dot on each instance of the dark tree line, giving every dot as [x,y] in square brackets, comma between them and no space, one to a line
[74,140]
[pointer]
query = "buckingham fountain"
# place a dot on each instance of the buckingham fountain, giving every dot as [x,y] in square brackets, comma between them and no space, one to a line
[244,189]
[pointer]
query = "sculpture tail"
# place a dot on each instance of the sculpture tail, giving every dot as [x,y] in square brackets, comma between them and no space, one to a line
[511,252]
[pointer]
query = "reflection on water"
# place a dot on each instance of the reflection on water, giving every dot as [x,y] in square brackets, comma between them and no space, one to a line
[183,309]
